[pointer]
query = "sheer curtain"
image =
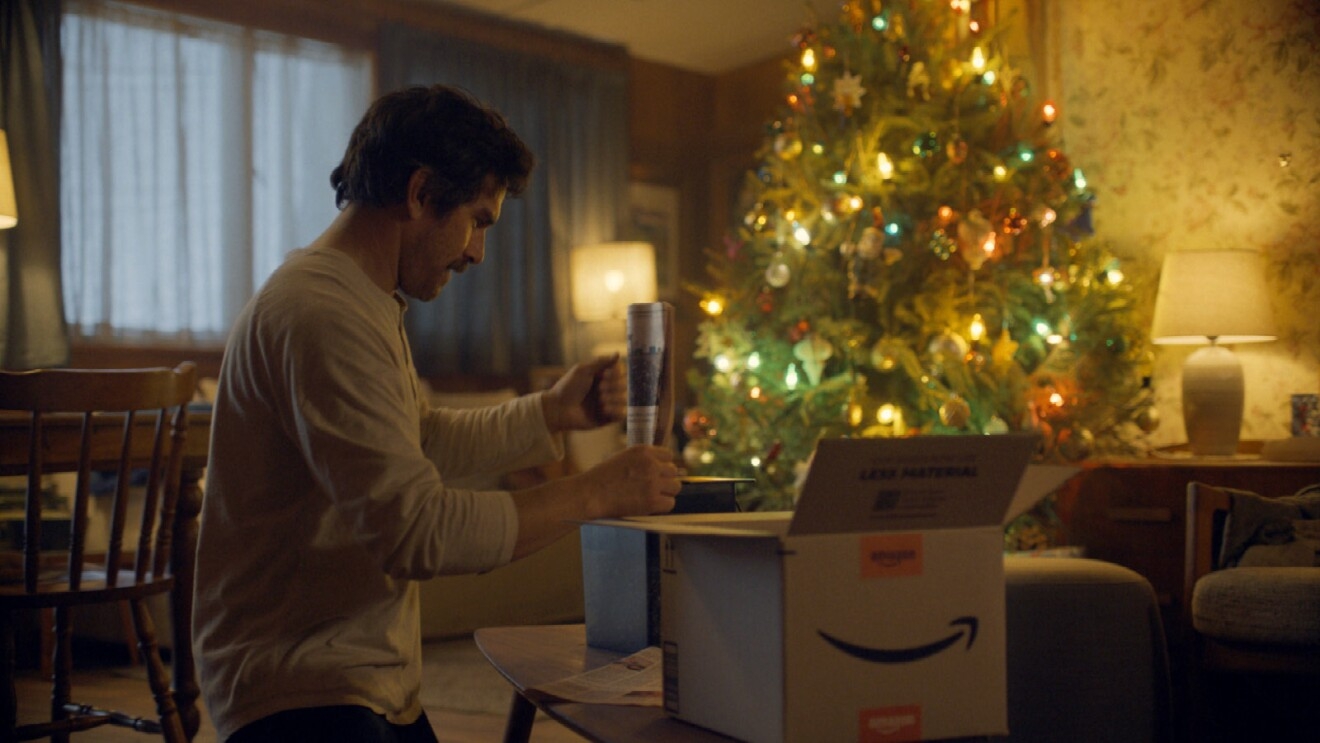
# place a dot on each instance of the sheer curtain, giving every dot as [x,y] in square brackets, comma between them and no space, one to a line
[511,313]
[196,154]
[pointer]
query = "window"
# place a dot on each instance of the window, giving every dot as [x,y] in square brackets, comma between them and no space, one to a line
[195,155]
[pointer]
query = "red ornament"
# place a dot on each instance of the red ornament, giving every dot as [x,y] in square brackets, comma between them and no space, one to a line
[1014,223]
[877,218]
[799,331]
[765,301]
[697,425]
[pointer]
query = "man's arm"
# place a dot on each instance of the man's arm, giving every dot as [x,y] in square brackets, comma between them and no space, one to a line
[638,481]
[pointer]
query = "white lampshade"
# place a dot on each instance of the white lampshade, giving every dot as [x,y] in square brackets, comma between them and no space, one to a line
[608,277]
[8,206]
[1213,294]
[1215,297]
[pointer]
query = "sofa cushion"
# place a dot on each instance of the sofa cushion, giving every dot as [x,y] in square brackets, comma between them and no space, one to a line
[1259,604]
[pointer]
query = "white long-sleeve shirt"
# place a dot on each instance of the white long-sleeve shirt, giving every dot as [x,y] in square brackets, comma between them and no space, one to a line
[324,500]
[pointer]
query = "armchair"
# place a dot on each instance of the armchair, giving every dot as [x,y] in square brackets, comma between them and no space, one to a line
[1254,639]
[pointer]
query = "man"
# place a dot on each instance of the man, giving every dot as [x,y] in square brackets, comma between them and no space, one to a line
[325,498]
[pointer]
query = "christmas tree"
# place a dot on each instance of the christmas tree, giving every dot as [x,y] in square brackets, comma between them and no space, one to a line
[916,257]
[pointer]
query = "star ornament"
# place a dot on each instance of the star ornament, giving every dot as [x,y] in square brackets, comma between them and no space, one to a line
[848,92]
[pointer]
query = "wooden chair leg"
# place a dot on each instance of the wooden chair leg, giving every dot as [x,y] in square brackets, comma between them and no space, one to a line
[61,690]
[130,640]
[158,678]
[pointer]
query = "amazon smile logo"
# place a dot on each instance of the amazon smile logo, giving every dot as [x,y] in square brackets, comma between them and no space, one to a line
[966,626]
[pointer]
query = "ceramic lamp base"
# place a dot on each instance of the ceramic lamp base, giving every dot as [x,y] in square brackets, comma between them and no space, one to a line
[1212,395]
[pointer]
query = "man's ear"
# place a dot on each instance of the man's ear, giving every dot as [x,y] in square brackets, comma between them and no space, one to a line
[416,201]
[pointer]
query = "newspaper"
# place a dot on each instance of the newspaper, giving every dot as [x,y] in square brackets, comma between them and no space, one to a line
[650,372]
[634,681]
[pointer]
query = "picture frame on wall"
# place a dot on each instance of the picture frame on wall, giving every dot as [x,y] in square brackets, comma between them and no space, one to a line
[652,216]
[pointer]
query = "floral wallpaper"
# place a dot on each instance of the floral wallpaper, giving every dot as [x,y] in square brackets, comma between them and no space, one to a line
[1197,123]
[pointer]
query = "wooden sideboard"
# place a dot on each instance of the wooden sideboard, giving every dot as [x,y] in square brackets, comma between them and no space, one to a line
[1132,511]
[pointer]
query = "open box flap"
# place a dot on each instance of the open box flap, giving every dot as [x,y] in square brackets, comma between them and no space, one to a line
[755,524]
[911,484]
[1037,482]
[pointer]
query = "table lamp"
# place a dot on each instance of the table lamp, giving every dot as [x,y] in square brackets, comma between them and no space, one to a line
[8,205]
[1215,297]
[607,277]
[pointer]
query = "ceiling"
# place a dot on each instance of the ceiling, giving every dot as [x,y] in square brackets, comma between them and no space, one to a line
[708,36]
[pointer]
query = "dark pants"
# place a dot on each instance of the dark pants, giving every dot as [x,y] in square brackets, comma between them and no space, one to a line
[347,723]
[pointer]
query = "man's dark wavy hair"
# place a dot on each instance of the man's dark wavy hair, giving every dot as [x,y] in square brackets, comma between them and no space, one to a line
[460,140]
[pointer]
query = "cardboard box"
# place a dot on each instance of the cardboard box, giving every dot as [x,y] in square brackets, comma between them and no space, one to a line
[621,570]
[873,612]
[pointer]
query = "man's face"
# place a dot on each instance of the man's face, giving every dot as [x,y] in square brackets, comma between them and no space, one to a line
[441,246]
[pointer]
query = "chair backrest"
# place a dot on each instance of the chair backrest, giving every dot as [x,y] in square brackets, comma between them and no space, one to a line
[1207,511]
[126,424]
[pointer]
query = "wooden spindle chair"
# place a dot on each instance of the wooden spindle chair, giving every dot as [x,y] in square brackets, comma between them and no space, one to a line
[117,421]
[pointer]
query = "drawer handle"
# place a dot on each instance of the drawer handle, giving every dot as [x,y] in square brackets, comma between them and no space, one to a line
[1153,514]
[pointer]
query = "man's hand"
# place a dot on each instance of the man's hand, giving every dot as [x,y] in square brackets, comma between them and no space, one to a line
[638,480]
[589,395]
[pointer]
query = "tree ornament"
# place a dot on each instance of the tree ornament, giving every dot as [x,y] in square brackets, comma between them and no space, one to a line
[1147,419]
[892,256]
[995,425]
[778,273]
[1014,223]
[956,150]
[942,245]
[926,145]
[855,13]
[975,359]
[758,218]
[799,330]
[918,82]
[955,412]
[848,92]
[732,246]
[697,424]
[696,453]
[884,354]
[871,244]
[948,346]
[765,301]
[1057,165]
[1003,351]
[813,351]
[976,239]
[1075,444]
[788,145]
[897,27]
[846,204]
